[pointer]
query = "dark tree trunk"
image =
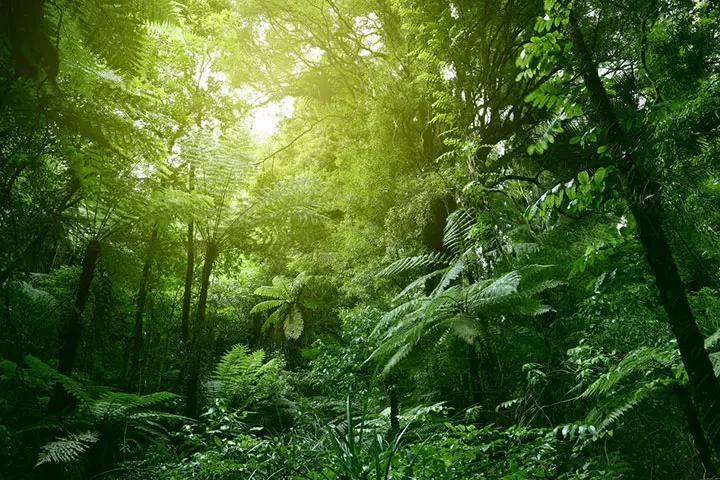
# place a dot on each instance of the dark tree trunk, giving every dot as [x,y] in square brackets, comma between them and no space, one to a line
[71,336]
[193,383]
[695,429]
[643,196]
[95,337]
[132,381]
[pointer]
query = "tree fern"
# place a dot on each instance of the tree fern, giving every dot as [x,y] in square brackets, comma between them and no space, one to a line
[458,310]
[288,298]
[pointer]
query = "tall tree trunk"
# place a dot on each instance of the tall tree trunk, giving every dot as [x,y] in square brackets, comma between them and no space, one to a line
[642,193]
[132,380]
[71,336]
[193,383]
[187,294]
[695,429]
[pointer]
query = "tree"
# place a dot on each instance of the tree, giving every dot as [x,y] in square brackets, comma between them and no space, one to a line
[641,189]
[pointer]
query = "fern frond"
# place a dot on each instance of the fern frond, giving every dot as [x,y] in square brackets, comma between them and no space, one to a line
[121,405]
[294,323]
[67,449]
[451,274]
[457,230]
[641,362]
[44,371]
[272,319]
[238,363]
[266,305]
[433,259]
[418,282]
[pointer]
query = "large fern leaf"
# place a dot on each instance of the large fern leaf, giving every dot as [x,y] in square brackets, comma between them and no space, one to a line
[67,449]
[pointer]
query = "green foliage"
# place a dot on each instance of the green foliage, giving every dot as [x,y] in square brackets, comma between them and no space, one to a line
[468,206]
[244,378]
[67,449]
[108,420]
[288,303]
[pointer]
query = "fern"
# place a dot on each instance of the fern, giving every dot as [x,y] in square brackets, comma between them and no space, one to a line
[266,305]
[67,449]
[240,375]
[638,376]
[403,265]
[238,365]
[457,310]
[49,376]
[287,297]
[457,231]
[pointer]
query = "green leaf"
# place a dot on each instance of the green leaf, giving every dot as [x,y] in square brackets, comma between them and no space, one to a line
[584,178]
[266,305]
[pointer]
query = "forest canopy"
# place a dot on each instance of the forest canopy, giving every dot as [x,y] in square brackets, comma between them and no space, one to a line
[359,239]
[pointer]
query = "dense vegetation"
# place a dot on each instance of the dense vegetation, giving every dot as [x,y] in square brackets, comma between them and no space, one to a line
[359,239]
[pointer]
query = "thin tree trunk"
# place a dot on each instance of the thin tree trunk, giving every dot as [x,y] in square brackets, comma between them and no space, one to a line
[643,196]
[71,336]
[193,384]
[187,294]
[132,380]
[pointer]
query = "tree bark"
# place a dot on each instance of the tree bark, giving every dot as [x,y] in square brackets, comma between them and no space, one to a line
[71,336]
[642,194]
[187,294]
[695,429]
[193,383]
[132,381]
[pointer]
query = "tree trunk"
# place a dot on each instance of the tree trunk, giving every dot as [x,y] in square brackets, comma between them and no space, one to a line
[695,429]
[132,380]
[187,294]
[71,336]
[643,196]
[193,383]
